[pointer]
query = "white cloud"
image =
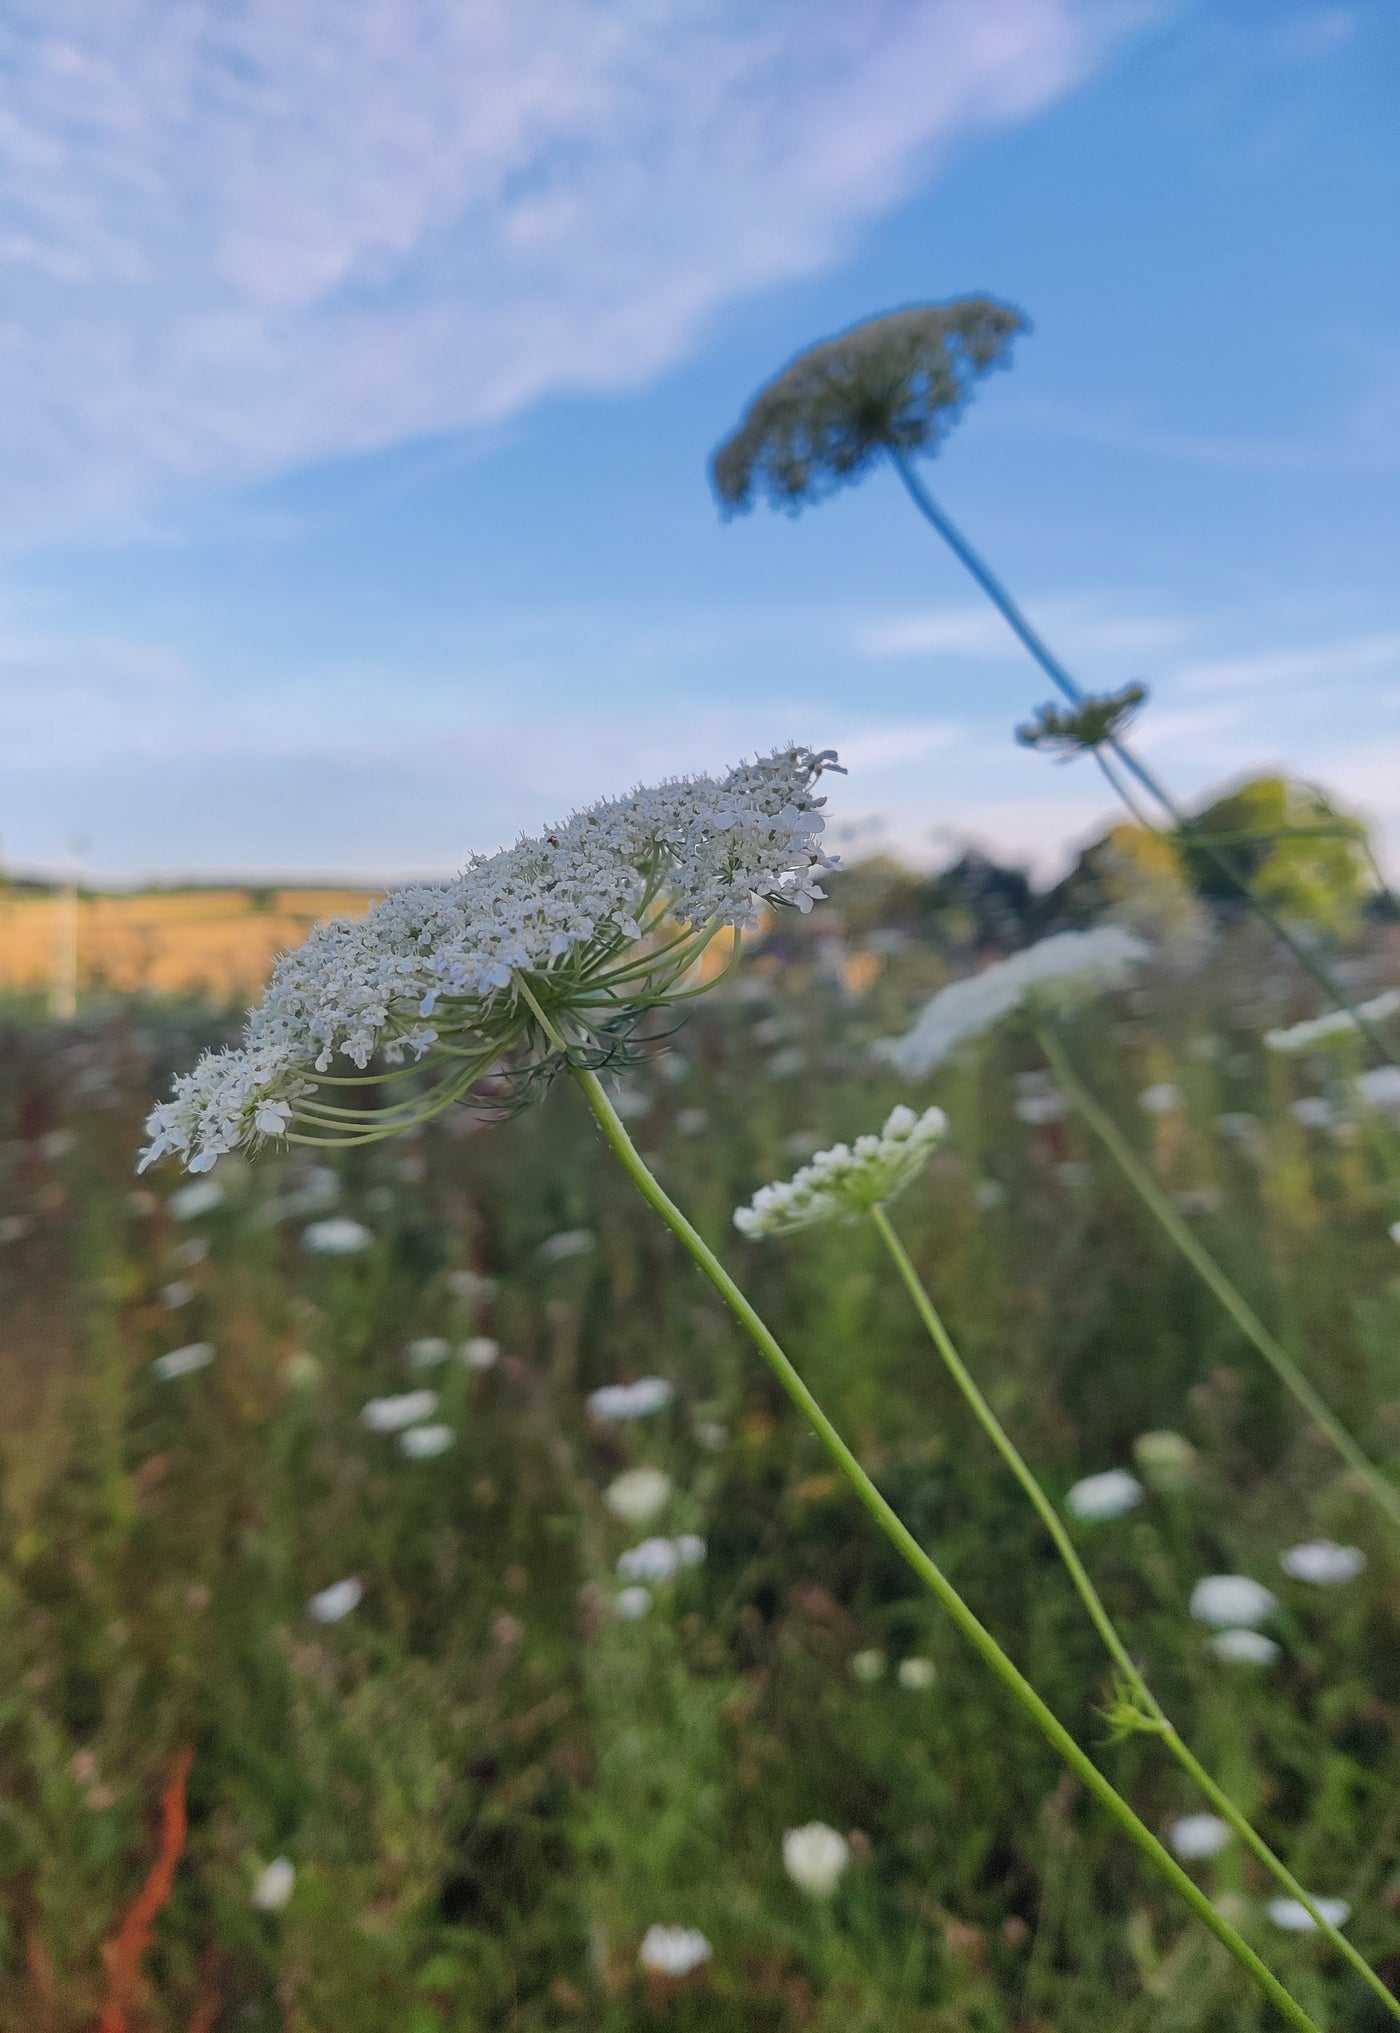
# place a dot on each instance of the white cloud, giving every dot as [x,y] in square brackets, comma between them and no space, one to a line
[1080,626]
[1361,656]
[233,240]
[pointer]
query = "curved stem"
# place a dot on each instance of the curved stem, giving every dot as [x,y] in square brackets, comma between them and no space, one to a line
[1154,1716]
[1237,876]
[929,1573]
[1210,1273]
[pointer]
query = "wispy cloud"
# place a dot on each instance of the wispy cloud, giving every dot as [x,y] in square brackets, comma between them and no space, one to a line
[1358,656]
[233,240]
[1080,625]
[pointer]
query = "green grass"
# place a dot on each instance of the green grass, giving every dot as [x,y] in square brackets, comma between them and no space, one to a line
[489,1784]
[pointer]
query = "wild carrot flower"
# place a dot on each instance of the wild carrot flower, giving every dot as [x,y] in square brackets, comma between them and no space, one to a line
[201,1196]
[1056,969]
[338,1238]
[673,1951]
[632,1603]
[918,1675]
[425,1443]
[815,1857]
[1198,1835]
[587,924]
[1322,1562]
[1243,1648]
[329,1605]
[1231,1599]
[183,1362]
[480,1352]
[392,1415]
[1293,1916]
[630,1401]
[428,1351]
[848,1180]
[1107,1495]
[892,384]
[274,1885]
[1166,1460]
[1336,1023]
[638,1495]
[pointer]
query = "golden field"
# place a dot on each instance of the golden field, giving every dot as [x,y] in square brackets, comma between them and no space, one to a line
[215,942]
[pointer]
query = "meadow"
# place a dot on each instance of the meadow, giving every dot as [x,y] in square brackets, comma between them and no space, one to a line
[459,1792]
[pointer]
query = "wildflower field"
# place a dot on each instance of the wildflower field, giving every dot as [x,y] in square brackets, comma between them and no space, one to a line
[421,1609]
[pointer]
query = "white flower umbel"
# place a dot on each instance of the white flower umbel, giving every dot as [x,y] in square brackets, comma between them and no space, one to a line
[1337,1023]
[339,1237]
[1107,1495]
[1198,1835]
[590,921]
[1231,1599]
[848,1180]
[425,1443]
[1293,1916]
[183,1362]
[638,1495]
[815,1857]
[1243,1648]
[630,1401]
[1322,1562]
[274,1885]
[392,1415]
[673,1951]
[1056,969]
[337,1601]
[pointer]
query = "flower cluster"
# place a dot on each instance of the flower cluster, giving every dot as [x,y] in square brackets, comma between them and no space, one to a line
[849,1179]
[585,913]
[1334,1023]
[1062,965]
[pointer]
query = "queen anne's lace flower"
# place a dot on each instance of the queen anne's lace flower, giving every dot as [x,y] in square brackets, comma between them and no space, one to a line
[849,1179]
[1334,1024]
[1063,964]
[571,910]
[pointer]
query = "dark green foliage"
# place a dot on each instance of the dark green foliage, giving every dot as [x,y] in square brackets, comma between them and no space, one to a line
[896,383]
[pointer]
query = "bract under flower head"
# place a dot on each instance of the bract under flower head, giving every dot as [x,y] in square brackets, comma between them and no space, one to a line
[1054,969]
[597,918]
[848,1180]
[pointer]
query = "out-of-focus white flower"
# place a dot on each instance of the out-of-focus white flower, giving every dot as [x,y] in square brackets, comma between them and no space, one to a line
[1163,1097]
[424,1443]
[1167,1461]
[987,1194]
[176,1294]
[630,1401]
[693,1122]
[470,1286]
[301,1370]
[337,1601]
[659,1559]
[1293,1916]
[570,1242]
[1243,1648]
[14,1227]
[815,1857]
[1040,1105]
[274,1885]
[631,1603]
[1107,1495]
[848,1180]
[638,1495]
[1231,1599]
[201,1196]
[481,1352]
[1323,1562]
[573,908]
[673,1951]
[918,1675]
[712,1434]
[1055,969]
[392,1415]
[1198,1835]
[1380,1088]
[1238,1126]
[868,1666]
[187,1256]
[1314,1111]
[182,1362]
[787,1063]
[1336,1023]
[630,1102]
[339,1237]
[428,1351]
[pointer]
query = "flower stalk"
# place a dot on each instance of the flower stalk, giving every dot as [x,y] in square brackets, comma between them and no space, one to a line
[1211,1275]
[904,1542]
[1138,1707]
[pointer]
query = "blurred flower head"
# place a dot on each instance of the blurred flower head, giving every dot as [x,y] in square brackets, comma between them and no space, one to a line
[1322,1562]
[480,1352]
[1056,969]
[1336,1023]
[638,1495]
[895,383]
[1293,1916]
[815,1857]
[868,1666]
[337,1238]
[1198,1835]
[1166,1460]
[274,1885]
[201,1196]
[392,1415]
[1107,1495]
[673,1951]
[183,1362]
[425,1443]
[632,1603]
[1243,1648]
[918,1675]
[1231,1599]
[630,1401]
[331,1604]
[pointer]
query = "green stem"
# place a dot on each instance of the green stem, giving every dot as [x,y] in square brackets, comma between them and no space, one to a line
[1155,1718]
[1210,1273]
[929,1573]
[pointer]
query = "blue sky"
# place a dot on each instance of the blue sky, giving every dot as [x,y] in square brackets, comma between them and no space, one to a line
[361,366]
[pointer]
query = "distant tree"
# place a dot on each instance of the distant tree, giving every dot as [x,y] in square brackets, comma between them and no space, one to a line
[1311,861]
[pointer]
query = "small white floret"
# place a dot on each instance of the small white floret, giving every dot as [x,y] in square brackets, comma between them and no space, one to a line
[1108,1495]
[1231,1599]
